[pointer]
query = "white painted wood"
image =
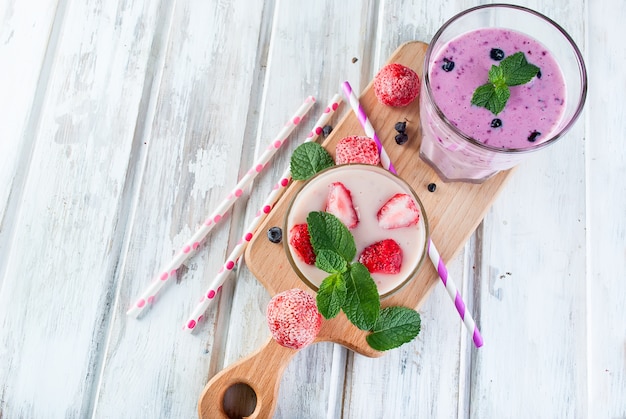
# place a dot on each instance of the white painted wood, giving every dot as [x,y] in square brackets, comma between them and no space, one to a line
[606,211]
[124,123]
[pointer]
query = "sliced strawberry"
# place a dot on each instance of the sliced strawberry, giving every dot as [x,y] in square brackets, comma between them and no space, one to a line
[383,257]
[300,242]
[399,211]
[339,203]
[357,149]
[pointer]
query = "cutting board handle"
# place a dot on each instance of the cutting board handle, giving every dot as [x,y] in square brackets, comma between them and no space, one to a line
[261,371]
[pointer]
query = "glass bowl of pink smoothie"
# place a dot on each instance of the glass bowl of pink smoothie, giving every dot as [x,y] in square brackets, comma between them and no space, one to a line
[465,142]
[370,188]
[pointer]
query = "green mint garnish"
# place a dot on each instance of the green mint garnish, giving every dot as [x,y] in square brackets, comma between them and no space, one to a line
[395,326]
[331,295]
[362,305]
[512,71]
[308,159]
[330,234]
[350,287]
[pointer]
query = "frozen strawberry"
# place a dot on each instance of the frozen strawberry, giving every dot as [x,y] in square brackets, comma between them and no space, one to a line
[396,85]
[399,211]
[356,149]
[339,203]
[293,319]
[300,242]
[384,257]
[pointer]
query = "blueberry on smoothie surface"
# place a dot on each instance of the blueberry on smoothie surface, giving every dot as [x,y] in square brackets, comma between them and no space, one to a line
[448,65]
[496,123]
[496,54]
[533,136]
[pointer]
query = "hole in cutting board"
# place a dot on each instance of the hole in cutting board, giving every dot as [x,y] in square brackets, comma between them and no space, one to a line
[239,401]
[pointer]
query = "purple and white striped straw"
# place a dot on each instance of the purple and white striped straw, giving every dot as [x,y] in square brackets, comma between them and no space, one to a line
[453,292]
[367,126]
[433,254]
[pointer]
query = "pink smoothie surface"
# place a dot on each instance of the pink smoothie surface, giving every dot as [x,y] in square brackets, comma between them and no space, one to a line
[533,107]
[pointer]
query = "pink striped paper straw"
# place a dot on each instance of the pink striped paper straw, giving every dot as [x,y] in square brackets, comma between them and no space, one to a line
[367,125]
[169,270]
[432,250]
[232,259]
[453,292]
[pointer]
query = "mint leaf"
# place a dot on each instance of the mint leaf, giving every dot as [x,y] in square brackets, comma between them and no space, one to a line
[362,305]
[496,76]
[308,159]
[517,70]
[512,71]
[328,233]
[395,326]
[331,295]
[490,96]
[330,261]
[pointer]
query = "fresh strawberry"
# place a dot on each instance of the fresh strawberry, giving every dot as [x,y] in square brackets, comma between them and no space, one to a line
[383,257]
[339,203]
[293,319]
[399,211]
[300,242]
[357,149]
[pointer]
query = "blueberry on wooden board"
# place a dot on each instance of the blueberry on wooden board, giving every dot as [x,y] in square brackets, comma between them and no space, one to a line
[401,138]
[400,126]
[275,234]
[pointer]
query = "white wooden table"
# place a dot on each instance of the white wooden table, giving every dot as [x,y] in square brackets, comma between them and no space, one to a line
[124,123]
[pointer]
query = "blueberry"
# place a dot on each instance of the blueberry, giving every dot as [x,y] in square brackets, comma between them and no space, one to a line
[533,136]
[401,138]
[327,130]
[400,126]
[275,234]
[448,65]
[496,54]
[432,187]
[496,123]
[539,74]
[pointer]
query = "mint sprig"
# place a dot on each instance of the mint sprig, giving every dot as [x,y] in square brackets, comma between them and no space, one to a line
[308,159]
[350,287]
[514,70]
[395,325]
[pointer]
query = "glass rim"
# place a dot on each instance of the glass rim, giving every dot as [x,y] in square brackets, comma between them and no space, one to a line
[410,276]
[504,150]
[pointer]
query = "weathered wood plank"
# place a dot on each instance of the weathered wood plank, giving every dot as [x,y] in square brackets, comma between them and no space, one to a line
[606,221]
[194,139]
[59,277]
[26,35]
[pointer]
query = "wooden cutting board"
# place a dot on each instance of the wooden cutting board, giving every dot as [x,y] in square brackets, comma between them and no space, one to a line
[453,210]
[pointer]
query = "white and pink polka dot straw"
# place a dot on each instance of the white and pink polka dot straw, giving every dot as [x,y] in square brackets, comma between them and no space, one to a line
[216,285]
[433,254]
[169,270]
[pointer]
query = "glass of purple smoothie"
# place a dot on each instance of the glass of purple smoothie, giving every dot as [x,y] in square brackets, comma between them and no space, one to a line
[466,142]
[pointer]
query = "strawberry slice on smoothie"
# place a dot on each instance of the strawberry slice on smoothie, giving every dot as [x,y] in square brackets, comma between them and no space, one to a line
[339,203]
[399,211]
